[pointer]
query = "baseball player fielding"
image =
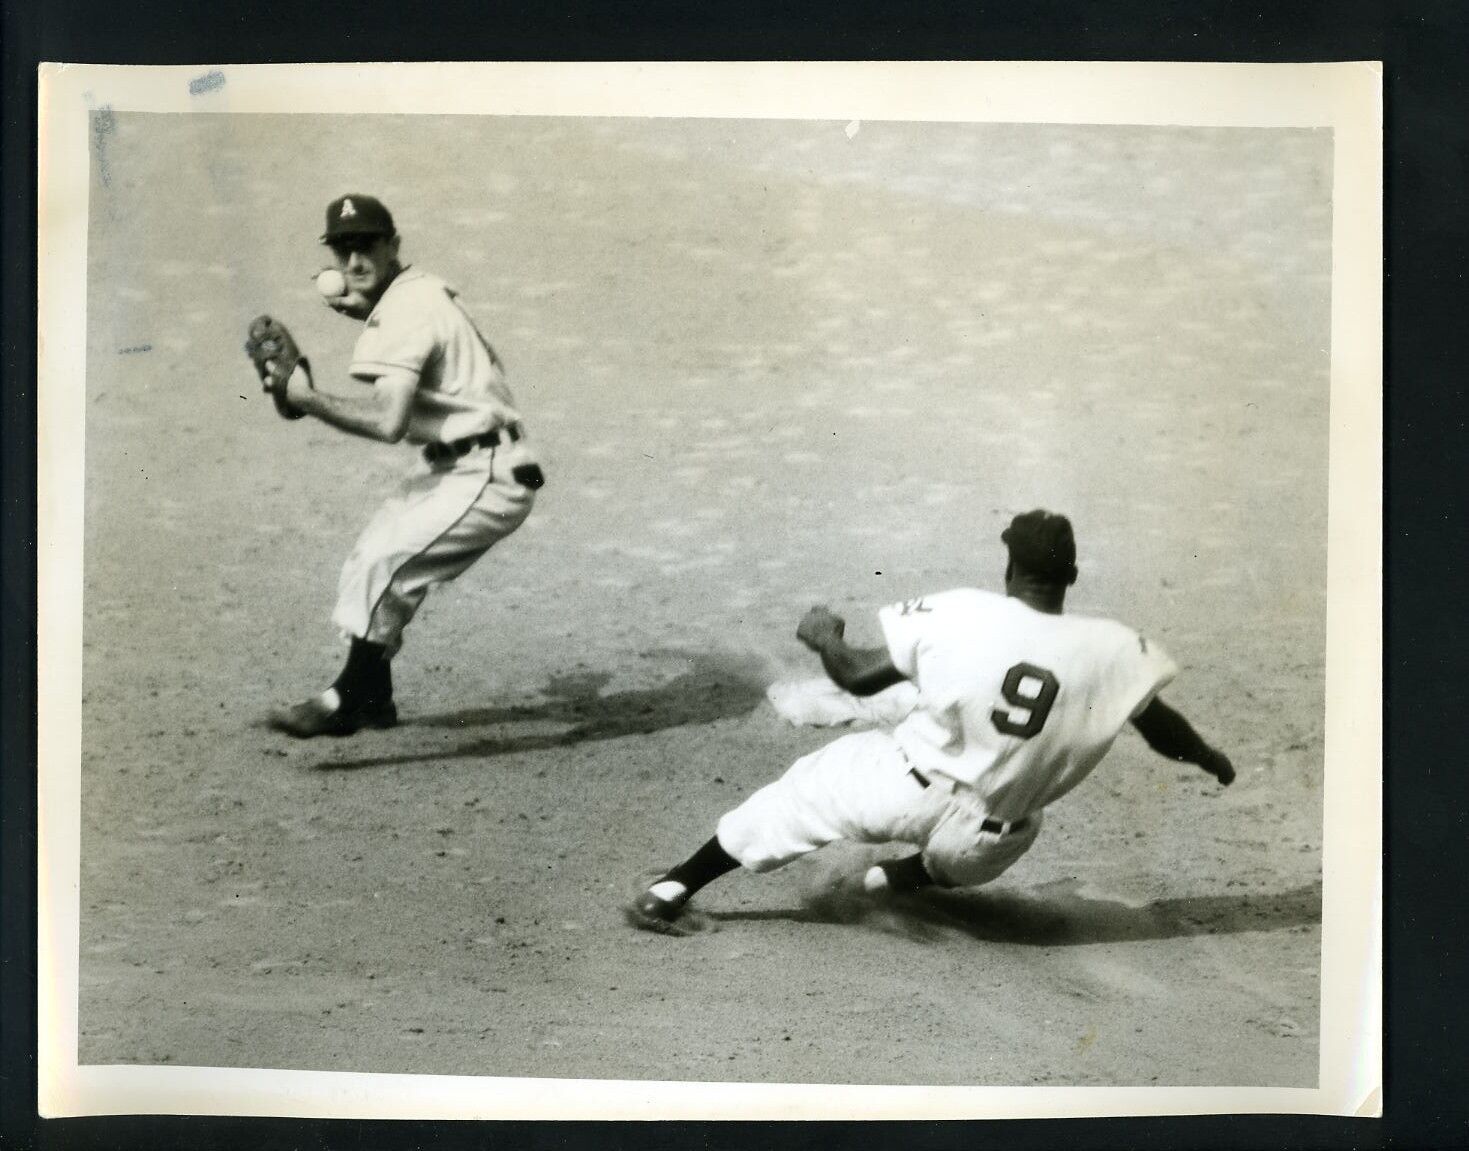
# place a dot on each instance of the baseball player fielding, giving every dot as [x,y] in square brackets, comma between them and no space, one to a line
[421,372]
[1018,703]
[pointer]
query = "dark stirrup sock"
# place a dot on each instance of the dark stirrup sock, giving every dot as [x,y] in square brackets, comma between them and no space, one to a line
[908,873]
[366,674]
[381,682]
[704,866]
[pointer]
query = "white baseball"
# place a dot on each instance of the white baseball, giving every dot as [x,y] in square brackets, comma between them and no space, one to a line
[331,283]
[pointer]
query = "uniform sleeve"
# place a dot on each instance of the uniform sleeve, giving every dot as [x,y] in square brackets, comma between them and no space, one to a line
[400,336]
[904,626]
[1146,670]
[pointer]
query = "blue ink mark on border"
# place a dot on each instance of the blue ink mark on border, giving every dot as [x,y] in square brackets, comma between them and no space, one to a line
[209,82]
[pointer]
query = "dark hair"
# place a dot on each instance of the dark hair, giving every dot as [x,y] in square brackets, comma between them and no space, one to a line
[1042,545]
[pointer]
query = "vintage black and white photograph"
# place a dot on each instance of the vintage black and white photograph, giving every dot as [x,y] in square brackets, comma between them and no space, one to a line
[695,599]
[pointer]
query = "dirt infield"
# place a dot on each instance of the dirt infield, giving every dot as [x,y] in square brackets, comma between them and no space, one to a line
[768,364]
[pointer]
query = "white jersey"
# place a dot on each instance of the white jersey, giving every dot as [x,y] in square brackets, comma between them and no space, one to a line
[1017,703]
[419,325]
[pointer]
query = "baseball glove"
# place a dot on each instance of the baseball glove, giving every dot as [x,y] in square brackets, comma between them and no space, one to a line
[273,351]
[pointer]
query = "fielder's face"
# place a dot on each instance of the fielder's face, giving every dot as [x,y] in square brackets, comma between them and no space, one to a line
[365,260]
[367,264]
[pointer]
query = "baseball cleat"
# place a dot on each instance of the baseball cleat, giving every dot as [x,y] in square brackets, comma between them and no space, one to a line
[659,908]
[897,877]
[326,714]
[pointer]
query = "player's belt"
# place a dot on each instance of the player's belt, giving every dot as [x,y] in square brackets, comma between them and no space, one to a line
[437,453]
[993,826]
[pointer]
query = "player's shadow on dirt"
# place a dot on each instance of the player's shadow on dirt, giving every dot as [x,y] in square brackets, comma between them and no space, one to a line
[1059,916]
[718,686]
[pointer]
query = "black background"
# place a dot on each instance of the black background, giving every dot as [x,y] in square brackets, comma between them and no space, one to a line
[1425,47]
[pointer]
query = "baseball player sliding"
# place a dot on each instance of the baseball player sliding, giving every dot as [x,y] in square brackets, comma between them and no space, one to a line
[420,371]
[1017,704]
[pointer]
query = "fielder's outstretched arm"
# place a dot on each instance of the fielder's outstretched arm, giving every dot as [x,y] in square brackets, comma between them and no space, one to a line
[1169,733]
[861,671]
[377,410]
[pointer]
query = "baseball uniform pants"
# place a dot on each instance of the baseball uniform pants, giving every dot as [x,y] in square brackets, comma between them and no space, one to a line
[862,788]
[442,518]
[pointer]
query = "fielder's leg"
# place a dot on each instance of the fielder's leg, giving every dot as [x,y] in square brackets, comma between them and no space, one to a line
[431,531]
[361,696]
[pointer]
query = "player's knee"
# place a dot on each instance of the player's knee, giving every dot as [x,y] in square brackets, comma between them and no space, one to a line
[759,842]
[740,835]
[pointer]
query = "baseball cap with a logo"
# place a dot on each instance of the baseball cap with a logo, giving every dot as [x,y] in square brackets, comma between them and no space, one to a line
[1042,544]
[357,215]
